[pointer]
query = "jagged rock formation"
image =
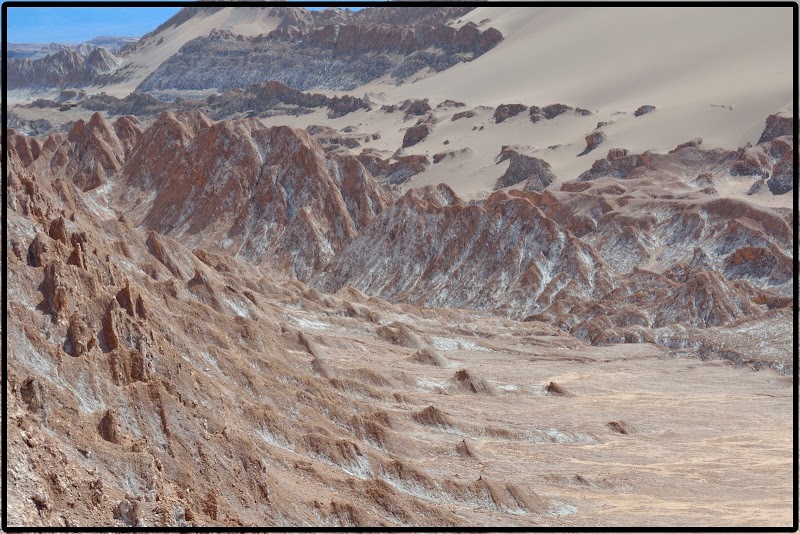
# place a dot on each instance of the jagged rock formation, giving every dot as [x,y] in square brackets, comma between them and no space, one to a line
[396,169]
[697,141]
[39,50]
[417,133]
[309,205]
[270,98]
[261,97]
[161,321]
[87,155]
[770,160]
[295,207]
[443,262]
[778,125]
[320,215]
[352,53]
[336,49]
[136,104]
[552,111]
[431,246]
[148,372]
[782,179]
[506,111]
[65,68]
[414,108]
[463,115]
[593,140]
[332,139]
[710,254]
[459,153]
[34,127]
[212,322]
[450,104]
[535,172]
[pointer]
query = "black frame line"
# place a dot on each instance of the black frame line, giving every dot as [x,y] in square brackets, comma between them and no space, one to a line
[408,3]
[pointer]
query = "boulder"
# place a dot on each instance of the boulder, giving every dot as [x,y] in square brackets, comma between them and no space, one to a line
[506,111]
[416,134]
[644,110]
[777,125]
[782,180]
[536,173]
[593,140]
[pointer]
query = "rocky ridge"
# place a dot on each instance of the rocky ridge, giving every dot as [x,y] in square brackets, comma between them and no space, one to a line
[39,50]
[430,247]
[351,48]
[535,172]
[768,161]
[268,192]
[352,54]
[65,68]
[278,197]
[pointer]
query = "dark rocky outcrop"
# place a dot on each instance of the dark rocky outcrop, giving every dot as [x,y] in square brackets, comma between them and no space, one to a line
[697,141]
[782,180]
[258,99]
[644,110]
[452,154]
[593,140]
[464,115]
[552,111]
[415,108]
[396,169]
[29,126]
[506,111]
[777,125]
[417,134]
[536,173]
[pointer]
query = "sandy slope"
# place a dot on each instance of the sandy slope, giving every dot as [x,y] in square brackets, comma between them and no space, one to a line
[622,57]
[713,73]
[158,47]
[559,141]
[243,21]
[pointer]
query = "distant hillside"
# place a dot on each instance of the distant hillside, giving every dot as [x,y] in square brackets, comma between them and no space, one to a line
[40,50]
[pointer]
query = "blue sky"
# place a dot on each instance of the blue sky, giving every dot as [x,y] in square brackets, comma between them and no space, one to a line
[79,24]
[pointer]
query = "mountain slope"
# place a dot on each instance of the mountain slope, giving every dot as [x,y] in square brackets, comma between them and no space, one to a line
[295,28]
[610,257]
[65,68]
[145,56]
[430,248]
[331,56]
[39,50]
[150,385]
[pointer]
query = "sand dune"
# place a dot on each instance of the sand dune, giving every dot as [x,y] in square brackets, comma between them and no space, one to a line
[623,57]
[716,73]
